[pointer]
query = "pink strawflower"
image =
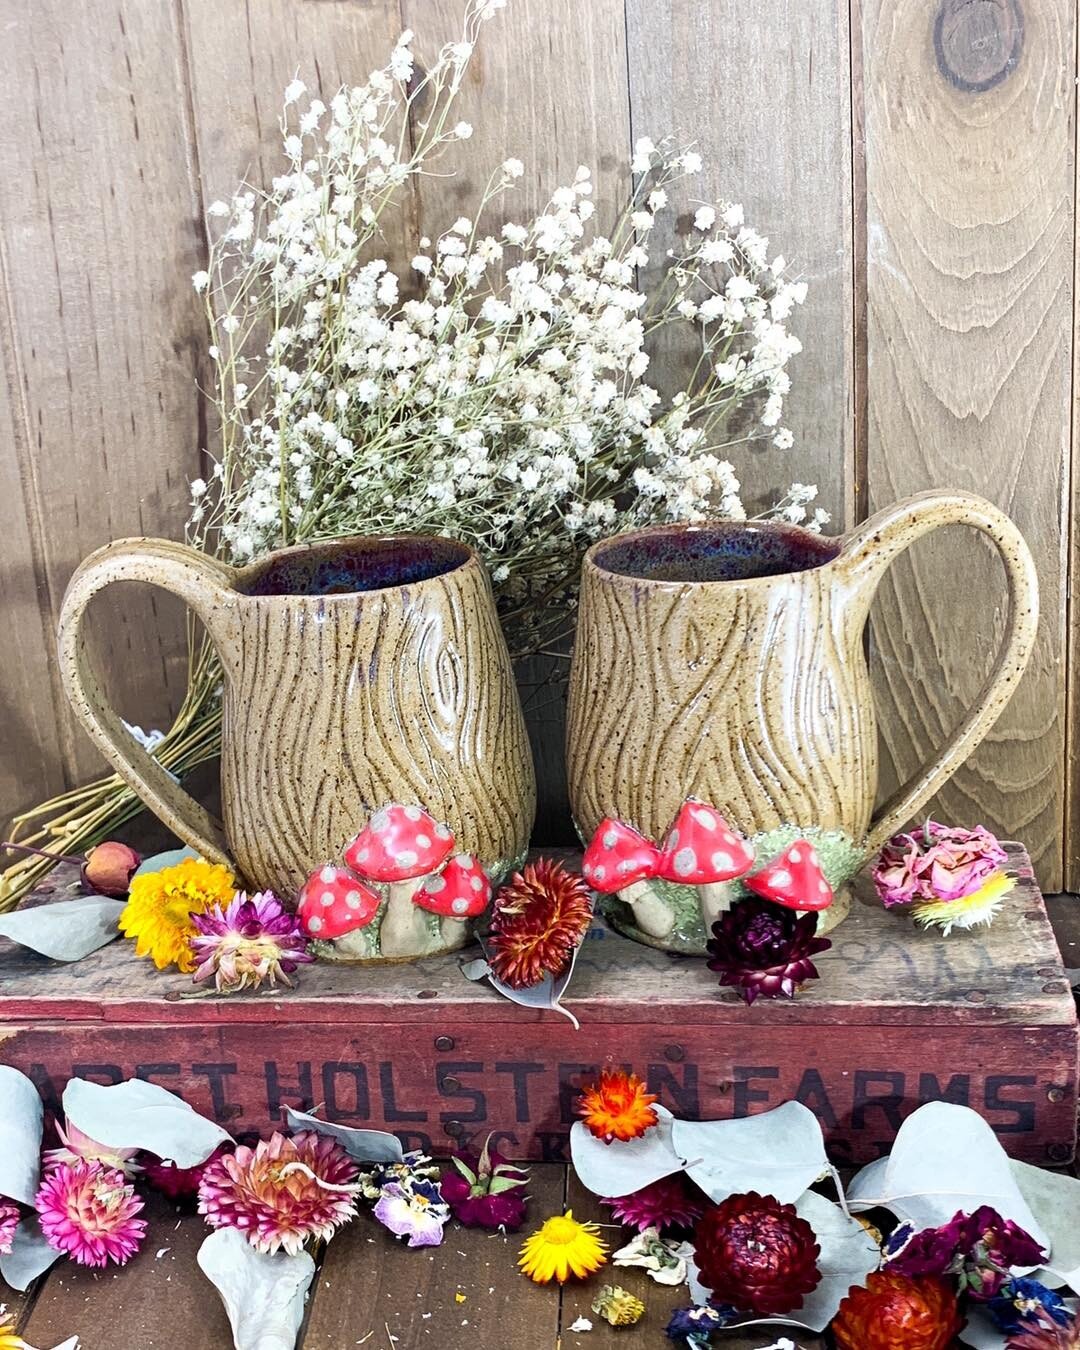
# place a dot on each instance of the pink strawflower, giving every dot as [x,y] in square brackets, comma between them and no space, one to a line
[250,941]
[178,1183]
[9,1221]
[664,1204]
[936,862]
[281,1192]
[79,1147]
[88,1211]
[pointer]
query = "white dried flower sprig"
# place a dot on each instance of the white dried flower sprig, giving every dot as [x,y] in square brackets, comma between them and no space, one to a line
[496,392]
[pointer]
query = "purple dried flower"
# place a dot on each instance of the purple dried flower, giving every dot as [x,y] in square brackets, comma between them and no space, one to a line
[980,1248]
[250,941]
[764,949]
[485,1191]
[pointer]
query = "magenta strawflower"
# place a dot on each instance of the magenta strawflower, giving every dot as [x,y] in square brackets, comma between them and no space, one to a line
[936,862]
[9,1221]
[664,1204]
[277,1193]
[89,1212]
[250,941]
[178,1183]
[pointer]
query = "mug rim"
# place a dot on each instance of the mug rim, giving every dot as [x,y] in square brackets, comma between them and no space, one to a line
[341,543]
[592,559]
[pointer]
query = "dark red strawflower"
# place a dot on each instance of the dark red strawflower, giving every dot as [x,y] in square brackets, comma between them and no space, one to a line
[756,1254]
[980,1248]
[764,950]
[538,920]
[485,1191]
[667,1203]
[178,1183]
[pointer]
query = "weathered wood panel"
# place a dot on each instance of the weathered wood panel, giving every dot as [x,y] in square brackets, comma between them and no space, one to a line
[764,93]
[99,245]
[969,218]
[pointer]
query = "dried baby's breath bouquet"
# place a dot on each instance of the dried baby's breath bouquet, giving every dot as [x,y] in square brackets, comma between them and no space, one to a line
[496,391]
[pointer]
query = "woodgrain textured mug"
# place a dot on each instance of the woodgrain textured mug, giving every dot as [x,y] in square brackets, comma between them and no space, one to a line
[356,673]
[725,662]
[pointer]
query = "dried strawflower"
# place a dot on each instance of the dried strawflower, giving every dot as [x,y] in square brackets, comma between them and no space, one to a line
[246,943]
[79,1147]
[281,1193]
[936,862]
[158,914]
[485,1191]
[178,1183]
[1023,1302]
[9,1337]
[538,921]
[980,1249]
[89,1212]
[618,1306]
[664,1204]
[561,1248]
[108,869]
[664,1259]
[415,1210]
[10,1215]
[756,1254]
[1044,1332]
[969,911]
[764,950]
[618,1107]
[895,1312]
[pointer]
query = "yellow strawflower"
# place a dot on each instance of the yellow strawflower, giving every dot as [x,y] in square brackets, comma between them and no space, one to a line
[9,1340]
[978,907]
[561,1248]
[160,905]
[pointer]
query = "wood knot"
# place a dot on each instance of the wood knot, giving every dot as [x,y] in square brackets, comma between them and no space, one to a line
[978,43]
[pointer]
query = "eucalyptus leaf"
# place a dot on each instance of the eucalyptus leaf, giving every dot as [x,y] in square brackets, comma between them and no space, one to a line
[67,930]
[780,1153]
[30,1255]
[142,1115]
[1055,1201]
[362,1145]
[848,1255]
[945,1159]
[620,1168]
[20,1136]
[263,1295]
[159,861]
[547,994]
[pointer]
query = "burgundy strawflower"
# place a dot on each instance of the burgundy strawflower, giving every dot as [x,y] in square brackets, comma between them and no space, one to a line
[178,1183]
[756,1254]
[9,1221]
[664,1204]
[764,950]
[485,1191]
[249,941]
[980,1248]
[89,1212]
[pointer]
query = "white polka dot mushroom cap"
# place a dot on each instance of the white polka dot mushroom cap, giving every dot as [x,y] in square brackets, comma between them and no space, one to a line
[400,842]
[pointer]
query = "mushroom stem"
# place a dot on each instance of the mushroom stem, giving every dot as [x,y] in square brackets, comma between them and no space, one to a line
[651,914]
[453,933]
[715,897]
[404,930]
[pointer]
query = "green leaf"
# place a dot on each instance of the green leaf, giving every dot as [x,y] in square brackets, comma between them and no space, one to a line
[466,1172]
[499,1184]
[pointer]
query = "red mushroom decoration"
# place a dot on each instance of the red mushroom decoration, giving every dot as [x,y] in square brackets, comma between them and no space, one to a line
[619,860]
[401,845]
[333,903]
[793,879]
[460,892]
[701,849]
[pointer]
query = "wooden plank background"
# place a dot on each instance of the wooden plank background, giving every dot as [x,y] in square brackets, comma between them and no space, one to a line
[916,162]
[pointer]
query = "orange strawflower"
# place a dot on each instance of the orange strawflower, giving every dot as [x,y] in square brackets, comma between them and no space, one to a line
[895,1312]
[618,1107]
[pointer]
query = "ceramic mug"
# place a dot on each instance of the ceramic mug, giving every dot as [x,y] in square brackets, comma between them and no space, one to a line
[357,673]
[725,662]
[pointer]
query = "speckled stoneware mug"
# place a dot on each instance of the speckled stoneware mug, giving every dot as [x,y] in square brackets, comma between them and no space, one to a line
[357,673]
[725,662]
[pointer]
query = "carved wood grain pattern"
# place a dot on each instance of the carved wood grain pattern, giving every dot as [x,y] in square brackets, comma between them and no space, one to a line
[745,696]
[969,276]
[763,90]
[402,695]
[99,244]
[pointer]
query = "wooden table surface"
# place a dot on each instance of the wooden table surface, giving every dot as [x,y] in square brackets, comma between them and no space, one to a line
[370,1290]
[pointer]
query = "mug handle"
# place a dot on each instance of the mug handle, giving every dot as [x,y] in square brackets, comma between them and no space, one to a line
[206,585]
[869,550]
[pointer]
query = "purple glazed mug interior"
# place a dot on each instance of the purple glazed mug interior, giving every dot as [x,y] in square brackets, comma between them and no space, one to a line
[722,551]
[350,566]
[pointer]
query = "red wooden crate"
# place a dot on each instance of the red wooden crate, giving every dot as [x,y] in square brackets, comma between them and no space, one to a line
[899,1017]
